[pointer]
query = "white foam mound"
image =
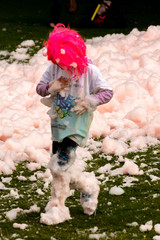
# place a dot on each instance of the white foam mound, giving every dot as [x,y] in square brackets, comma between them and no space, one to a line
[130,64]
[116,191]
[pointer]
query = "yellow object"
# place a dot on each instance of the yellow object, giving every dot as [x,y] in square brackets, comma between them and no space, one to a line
[95,12]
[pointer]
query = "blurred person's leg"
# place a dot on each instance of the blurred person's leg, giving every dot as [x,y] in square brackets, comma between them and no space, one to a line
[72,6]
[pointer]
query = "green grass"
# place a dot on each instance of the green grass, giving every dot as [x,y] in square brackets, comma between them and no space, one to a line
[139,203]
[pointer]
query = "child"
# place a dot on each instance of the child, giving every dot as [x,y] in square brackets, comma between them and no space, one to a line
[76,88]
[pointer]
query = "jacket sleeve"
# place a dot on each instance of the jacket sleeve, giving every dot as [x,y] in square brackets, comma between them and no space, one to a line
[104,96]
[43,85]
[99,87]
[42,89]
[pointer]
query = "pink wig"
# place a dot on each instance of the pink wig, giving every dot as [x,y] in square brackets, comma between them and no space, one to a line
[66,48]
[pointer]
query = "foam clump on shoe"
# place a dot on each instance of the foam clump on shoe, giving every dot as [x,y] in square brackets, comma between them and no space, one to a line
[55,215]
[89,198]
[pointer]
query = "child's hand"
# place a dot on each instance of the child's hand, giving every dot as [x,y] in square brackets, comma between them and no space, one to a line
[89,103]
[58,85]
[81,107]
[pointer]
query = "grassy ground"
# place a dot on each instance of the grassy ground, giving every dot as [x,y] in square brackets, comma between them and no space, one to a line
[139,203]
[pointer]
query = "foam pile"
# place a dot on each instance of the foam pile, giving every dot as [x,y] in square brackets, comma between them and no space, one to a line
[130,63]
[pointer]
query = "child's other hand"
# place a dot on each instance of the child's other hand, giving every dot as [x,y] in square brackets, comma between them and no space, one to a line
[58,85]
[81,106]
[89,103]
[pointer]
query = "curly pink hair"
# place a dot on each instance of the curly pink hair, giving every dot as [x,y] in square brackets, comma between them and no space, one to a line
[66,48]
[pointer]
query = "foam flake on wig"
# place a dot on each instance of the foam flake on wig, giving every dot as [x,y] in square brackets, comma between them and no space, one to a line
[66,48]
